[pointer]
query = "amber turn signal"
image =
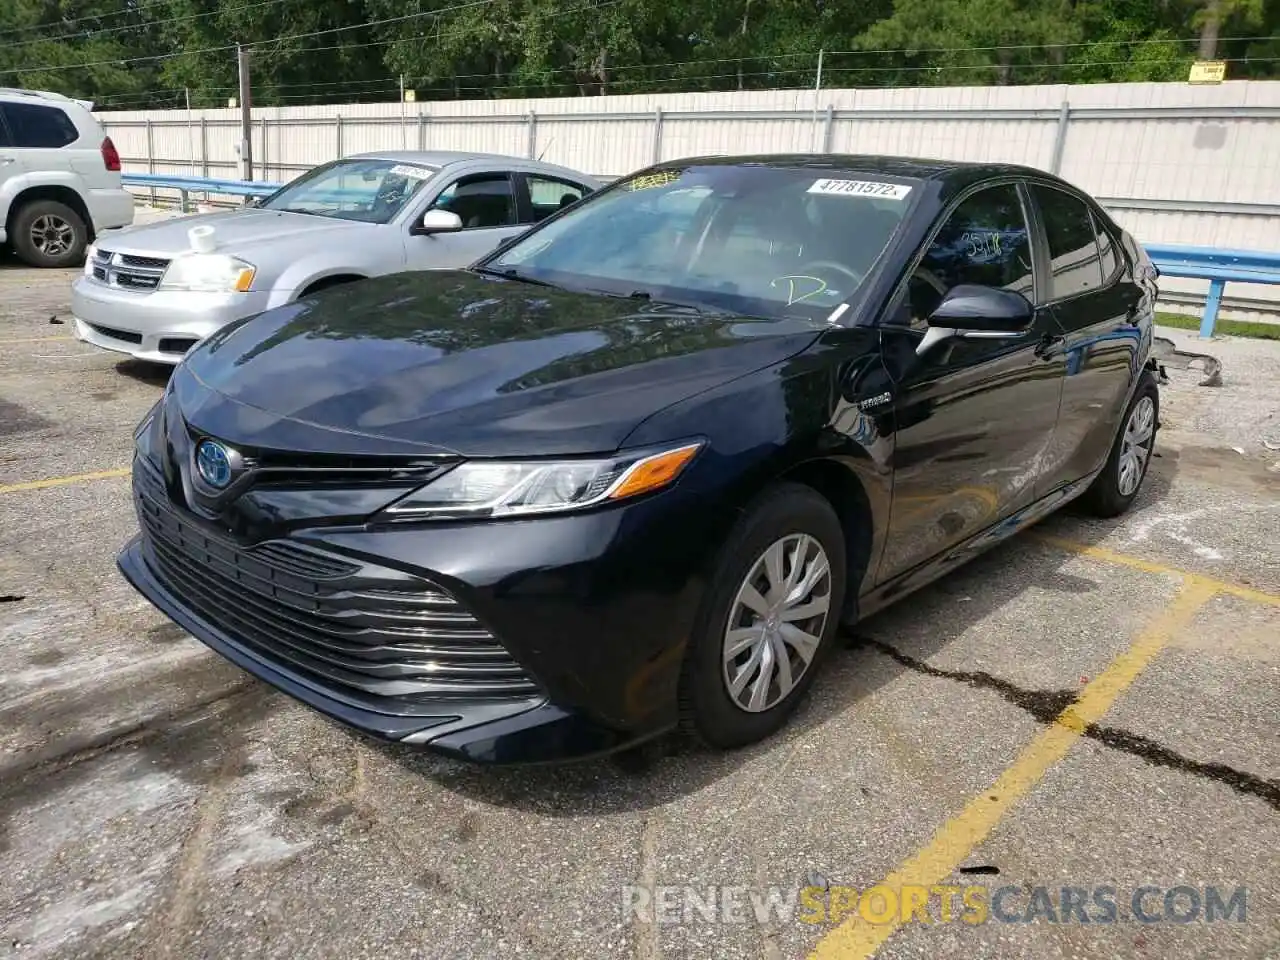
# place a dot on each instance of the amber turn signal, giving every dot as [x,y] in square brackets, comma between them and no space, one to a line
[654,472]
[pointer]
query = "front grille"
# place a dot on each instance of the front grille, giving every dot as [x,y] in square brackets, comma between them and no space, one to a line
[369,631]
[128,271]
[153,263]
[126,335]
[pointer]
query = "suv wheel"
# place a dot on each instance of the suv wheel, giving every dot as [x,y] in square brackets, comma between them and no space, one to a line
[768,618]
[47,233]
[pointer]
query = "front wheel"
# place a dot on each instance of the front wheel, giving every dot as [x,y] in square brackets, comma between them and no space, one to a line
[1116,487]
[769,617]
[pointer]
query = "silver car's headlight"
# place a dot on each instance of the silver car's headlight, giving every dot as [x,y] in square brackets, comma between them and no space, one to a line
[90,254]
[503,488]
[208,273]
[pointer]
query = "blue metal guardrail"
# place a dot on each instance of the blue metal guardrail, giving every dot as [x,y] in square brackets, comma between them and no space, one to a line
[1216,266]
[189,185]
[1204,263]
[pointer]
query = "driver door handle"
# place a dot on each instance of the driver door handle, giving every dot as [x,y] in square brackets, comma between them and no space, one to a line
[1050,346]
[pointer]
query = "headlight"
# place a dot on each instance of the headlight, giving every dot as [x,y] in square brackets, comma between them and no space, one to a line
[90,254]
[511,488]
[208,273]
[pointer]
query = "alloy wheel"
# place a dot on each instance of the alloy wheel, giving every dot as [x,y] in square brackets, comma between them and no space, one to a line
[52,235]
[1135,448]
[776,622]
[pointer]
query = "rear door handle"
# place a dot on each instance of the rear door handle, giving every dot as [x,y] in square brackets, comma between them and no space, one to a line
[7,160]
[1049,346]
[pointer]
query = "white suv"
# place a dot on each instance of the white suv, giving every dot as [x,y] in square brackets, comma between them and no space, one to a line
[59,178]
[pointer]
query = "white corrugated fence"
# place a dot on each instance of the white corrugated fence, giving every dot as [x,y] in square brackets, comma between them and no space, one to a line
[1174,163]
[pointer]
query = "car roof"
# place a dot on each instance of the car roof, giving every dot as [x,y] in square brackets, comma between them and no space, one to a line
[444,158]
[52,99]
[952,171]
[431,158]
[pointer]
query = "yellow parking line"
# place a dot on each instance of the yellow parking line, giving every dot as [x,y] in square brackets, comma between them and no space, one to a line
[34,340]
[62,481]
[955,840]
[1151,566]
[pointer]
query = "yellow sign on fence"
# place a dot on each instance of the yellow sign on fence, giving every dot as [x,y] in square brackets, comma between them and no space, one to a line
[1208,71]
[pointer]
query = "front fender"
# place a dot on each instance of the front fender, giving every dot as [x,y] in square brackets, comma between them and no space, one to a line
[302,274]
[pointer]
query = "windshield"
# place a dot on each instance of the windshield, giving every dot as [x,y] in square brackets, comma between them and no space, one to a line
[372,191]
[774,242]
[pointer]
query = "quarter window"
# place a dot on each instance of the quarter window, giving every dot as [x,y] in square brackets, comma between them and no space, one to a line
[484,200]
[1073,246]
[547,196]
[984,241]
[35,126]
[1106,248]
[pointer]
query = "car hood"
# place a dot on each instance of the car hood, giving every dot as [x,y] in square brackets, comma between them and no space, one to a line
[446,361]
[235,231]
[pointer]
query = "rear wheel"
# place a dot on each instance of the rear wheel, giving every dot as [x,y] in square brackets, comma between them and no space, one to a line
[47,233]
[1116,487]
[768,619]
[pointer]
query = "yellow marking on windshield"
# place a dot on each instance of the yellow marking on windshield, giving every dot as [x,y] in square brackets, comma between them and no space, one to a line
[791,287]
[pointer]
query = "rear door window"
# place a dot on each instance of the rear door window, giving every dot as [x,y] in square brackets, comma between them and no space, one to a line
[547,195]
[1076,266]
[34,126]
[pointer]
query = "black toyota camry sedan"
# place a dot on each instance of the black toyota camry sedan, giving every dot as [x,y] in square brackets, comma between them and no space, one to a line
[634,469]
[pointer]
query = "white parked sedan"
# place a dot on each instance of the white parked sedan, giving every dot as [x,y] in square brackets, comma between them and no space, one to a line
[154,291]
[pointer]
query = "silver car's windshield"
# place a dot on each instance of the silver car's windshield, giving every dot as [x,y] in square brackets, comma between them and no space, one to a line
[756,240]
[372,191]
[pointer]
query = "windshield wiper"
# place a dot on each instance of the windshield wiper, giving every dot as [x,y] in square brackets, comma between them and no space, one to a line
[511,273]
[647,297]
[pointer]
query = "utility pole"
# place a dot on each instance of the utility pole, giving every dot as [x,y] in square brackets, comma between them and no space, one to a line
[404,134]
[191,132]
[817,92]
[246,115]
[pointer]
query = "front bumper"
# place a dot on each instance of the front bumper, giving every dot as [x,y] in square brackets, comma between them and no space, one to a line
[527,731]
[596,608]
[155,325]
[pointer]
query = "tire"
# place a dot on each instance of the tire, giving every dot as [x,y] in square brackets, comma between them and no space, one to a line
[47,233]
[779,519]
[1115,488]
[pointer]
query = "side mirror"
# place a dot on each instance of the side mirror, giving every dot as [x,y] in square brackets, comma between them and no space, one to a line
[439,221]
[974,311]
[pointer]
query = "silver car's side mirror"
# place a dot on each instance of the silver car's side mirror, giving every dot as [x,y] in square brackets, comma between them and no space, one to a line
[440,221]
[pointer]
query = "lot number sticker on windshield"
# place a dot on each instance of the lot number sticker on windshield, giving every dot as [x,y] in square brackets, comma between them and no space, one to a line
[404,170]
[861,188]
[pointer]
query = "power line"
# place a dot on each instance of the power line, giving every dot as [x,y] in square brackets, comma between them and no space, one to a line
[90,16]
[1042,46]
[91,34]
[437,37]
[377,23]
[391,83]
[51,68]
